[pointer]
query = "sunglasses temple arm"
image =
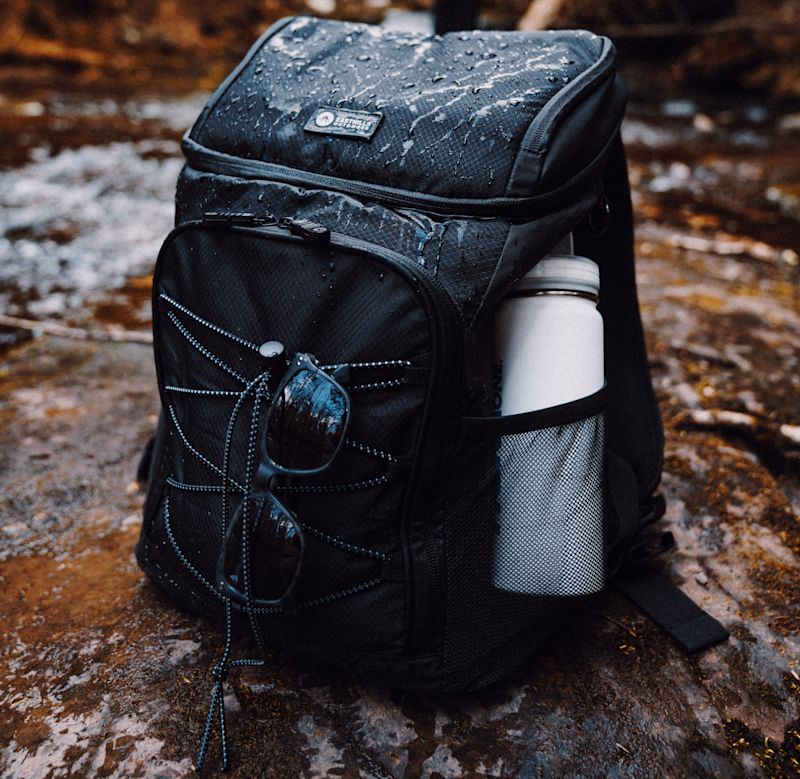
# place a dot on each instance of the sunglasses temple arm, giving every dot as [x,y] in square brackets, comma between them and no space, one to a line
[341,374]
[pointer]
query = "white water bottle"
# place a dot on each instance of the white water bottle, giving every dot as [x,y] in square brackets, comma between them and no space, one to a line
[549,351]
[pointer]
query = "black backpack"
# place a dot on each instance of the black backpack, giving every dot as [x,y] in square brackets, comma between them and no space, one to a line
[368,197]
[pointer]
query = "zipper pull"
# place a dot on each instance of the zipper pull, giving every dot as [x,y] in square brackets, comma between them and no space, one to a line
[238,219]
[306,229]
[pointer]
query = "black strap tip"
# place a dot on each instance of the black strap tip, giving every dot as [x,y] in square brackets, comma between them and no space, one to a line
[672,610]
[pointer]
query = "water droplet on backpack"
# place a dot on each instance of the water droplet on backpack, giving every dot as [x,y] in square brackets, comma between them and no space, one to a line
[469,52]
[363,57]
[436,78]
[552,79]
[380,276]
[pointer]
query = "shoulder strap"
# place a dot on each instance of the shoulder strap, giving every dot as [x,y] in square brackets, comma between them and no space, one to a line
[634,427]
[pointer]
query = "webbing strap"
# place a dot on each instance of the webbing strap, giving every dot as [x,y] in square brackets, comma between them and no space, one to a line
[672,610]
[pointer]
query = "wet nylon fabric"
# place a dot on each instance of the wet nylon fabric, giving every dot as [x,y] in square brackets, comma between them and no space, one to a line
[455,107]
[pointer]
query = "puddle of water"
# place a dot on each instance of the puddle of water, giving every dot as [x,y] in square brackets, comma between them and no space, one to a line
[81,222]
[88,203]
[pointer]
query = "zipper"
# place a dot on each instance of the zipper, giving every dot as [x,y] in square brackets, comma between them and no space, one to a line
[540,127]
[211,161]
[445,359]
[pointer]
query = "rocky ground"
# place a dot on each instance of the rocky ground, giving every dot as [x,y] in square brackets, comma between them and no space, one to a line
[100,676]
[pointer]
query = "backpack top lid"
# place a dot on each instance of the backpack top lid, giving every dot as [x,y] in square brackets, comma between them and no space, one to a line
[466,115]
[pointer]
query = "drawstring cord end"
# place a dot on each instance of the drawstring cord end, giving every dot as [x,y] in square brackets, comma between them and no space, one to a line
[219,672]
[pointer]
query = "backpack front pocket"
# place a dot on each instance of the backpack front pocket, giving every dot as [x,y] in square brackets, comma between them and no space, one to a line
[220,293]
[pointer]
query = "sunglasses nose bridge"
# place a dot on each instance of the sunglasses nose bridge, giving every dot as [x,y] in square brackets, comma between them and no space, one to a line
[264,478]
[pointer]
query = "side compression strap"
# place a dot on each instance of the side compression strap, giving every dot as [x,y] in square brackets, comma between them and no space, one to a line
[671,609]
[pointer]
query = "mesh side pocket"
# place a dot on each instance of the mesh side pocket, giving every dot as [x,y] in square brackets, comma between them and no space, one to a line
[549,533]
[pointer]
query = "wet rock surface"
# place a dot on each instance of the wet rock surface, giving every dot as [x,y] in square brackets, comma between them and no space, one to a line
[102,677]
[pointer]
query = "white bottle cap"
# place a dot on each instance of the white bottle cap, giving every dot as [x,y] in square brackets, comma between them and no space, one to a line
[562,271]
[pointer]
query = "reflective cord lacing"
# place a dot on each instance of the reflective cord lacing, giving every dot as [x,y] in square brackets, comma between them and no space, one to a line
[219,671]
[259,386]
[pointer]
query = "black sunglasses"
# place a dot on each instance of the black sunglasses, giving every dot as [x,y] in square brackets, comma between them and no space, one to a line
[304,429]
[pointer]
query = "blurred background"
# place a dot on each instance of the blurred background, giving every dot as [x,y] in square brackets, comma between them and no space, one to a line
[126,44]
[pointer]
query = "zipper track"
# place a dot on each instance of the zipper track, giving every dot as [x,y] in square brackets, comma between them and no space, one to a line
[446,353]
[602,68]
[211,161]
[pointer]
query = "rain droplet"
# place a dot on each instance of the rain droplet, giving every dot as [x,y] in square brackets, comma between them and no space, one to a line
[363,57]
[380,276]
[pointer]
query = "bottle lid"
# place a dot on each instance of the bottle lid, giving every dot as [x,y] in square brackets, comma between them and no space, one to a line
[562,271]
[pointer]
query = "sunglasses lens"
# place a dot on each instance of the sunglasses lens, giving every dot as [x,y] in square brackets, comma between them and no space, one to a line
[307,422]
[276,549]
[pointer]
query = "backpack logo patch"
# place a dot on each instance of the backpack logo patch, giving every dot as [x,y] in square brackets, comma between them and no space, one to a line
[342,121]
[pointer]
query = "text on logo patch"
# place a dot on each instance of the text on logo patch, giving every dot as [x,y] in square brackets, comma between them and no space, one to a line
[343,121]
